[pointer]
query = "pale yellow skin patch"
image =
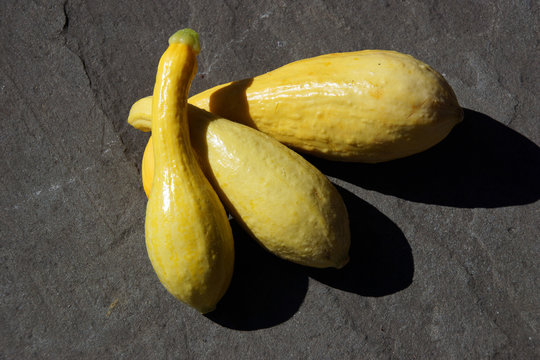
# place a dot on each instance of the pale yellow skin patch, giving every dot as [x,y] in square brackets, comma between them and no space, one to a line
[366,106]
[288,205]
[188,236]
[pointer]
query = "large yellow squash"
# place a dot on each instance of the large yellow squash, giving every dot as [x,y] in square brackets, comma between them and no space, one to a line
[367,106]
[288,205]
[188,236]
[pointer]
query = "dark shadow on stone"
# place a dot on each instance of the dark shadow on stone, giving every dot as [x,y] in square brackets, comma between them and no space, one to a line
[265,290]
[482,163]
[381,261]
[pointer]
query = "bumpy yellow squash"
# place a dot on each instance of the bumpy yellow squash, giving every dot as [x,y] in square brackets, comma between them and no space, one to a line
[188,236]
[366,106]
[286,204]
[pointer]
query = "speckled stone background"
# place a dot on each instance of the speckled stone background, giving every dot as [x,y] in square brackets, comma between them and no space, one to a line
[445,255]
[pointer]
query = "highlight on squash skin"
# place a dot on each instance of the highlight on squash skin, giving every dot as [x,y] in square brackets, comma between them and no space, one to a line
[284,202]
[147,164]
[188,236]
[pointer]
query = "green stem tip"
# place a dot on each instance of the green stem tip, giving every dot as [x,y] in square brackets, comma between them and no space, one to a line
[188,37]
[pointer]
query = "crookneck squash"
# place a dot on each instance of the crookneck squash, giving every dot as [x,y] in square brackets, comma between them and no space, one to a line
[188,236]
[366,106]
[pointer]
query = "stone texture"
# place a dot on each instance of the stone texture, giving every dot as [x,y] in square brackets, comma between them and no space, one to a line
[445,257]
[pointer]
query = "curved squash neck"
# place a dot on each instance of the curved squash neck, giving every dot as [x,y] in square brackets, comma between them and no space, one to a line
[170,129]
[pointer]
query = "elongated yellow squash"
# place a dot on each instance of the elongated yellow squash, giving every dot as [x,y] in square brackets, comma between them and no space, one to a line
[188,236]
[286,204]
[366,106]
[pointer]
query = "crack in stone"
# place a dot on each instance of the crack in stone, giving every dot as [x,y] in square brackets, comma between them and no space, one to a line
[66,17]
[85,68]
[71,44]
[68,44]
[514,112]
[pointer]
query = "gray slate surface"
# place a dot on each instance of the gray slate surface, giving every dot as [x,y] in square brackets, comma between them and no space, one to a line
[445,256]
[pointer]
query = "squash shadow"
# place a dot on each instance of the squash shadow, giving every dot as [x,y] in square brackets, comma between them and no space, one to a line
[481,164]
[265,290]
[238,110]
[381,261]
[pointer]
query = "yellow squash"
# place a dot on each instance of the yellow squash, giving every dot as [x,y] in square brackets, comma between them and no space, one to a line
[188,236]
[289,206]
[366,106]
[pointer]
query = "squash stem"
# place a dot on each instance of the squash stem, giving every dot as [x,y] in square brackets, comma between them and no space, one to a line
[187,37]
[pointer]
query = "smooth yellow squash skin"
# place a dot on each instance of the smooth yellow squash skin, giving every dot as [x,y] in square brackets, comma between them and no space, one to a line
[286,204]
[188,236]
[365,106]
